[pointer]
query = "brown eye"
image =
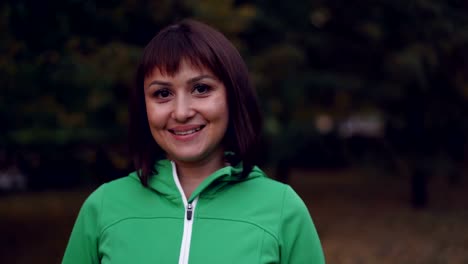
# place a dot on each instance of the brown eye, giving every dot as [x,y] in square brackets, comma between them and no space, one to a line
[201,89]
[162,93]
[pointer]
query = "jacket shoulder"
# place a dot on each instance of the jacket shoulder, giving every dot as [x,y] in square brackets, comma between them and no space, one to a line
[126,182]
[119,199]
[269,187]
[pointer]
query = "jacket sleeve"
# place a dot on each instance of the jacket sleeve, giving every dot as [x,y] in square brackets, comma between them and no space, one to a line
[299,241]
[83,243]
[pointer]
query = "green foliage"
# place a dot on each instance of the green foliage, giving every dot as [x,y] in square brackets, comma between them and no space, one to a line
[402,58]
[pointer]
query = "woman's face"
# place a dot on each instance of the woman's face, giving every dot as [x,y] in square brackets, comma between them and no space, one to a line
[187,113]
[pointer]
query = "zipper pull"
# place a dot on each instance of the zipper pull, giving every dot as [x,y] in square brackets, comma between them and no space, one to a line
[189,211]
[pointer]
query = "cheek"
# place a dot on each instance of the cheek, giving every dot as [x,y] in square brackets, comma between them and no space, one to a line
[221,117]
[155,116]
[219,111]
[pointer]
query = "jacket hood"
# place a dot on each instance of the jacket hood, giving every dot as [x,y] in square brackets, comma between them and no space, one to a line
[163,181]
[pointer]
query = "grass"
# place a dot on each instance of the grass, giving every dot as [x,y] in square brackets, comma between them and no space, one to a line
[360,218]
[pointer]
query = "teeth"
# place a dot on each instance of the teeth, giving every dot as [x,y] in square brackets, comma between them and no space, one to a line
[181,133]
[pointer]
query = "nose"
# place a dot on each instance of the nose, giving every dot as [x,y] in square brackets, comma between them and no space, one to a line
[183,109]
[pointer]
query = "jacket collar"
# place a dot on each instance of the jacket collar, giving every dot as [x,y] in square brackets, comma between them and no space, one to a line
[163,182]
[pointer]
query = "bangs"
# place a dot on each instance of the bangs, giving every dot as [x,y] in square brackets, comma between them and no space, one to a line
[167,49]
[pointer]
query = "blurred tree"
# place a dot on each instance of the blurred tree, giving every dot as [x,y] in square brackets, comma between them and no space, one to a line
[65,68]
[402,58]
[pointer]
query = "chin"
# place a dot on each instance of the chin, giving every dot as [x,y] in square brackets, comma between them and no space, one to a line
[187,157]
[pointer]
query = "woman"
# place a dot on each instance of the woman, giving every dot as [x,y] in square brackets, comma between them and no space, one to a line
[196,196]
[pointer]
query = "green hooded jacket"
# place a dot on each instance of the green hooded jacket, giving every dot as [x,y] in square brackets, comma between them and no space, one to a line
[226,220]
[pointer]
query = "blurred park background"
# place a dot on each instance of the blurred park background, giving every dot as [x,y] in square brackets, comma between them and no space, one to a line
[366,108]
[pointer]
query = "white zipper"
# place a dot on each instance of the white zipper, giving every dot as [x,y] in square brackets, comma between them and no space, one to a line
[188,220]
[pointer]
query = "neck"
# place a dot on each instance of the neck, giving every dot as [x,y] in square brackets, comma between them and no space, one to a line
[192,174]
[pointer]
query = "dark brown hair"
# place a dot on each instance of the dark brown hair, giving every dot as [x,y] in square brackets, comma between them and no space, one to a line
[202,46]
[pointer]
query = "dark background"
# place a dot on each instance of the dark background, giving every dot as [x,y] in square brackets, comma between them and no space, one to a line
[365,105]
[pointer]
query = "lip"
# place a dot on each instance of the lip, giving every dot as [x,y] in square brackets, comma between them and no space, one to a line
[183,128]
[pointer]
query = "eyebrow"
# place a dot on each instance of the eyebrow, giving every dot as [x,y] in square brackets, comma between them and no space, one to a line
[190,81]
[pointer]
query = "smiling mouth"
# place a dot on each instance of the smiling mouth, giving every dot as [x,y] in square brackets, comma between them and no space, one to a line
[186,132]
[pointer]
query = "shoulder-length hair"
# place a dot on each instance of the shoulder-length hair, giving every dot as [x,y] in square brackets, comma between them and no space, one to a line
[205,47]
